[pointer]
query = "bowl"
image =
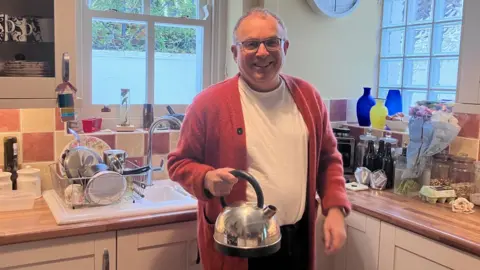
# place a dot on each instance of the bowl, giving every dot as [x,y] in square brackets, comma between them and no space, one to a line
[397,125]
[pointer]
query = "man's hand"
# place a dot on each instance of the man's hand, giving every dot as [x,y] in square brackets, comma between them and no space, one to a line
[220,182]
[334,231]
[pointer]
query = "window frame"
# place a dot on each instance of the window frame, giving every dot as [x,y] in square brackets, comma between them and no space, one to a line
[214,64]
[431,55]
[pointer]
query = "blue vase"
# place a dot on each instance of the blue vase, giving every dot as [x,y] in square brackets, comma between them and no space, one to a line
[394,102]
[364,104]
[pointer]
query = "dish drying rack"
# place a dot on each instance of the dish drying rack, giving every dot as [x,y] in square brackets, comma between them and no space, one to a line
[76,192]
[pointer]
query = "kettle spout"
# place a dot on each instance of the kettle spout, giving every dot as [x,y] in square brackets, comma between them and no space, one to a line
[269,211]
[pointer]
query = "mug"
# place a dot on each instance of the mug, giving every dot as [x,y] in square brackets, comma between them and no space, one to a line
[21,30]
[6,27]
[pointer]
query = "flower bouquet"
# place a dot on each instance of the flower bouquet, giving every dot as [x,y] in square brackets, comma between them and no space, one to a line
[432,127]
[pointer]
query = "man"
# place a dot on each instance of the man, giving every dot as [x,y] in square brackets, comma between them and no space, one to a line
[275,127]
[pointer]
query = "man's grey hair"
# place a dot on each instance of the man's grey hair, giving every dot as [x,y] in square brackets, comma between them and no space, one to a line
[257,11]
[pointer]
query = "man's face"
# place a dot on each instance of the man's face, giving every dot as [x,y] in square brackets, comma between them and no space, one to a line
[260,63]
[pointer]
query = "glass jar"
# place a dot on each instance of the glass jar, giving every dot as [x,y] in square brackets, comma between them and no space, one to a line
[462,175]
[440,175]
[361,147]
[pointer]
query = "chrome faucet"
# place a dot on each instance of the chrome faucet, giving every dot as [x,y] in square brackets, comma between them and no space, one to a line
[164,119]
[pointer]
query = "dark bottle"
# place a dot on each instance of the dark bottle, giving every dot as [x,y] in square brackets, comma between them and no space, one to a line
[389,166]
[369,158]
[380,154]
[10,160]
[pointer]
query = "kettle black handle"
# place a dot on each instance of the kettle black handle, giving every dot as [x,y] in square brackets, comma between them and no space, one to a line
[250,179]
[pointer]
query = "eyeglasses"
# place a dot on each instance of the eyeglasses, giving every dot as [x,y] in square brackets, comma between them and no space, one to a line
[271,44]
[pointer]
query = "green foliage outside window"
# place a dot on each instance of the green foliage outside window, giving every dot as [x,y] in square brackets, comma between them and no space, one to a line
[131,36]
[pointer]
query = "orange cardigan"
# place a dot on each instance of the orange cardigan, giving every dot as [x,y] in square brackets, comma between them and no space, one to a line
[213,136]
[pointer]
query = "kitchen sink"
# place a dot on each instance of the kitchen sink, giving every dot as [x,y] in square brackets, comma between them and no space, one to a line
[165,196]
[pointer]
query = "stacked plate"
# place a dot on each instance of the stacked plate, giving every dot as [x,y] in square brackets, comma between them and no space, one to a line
[27,69]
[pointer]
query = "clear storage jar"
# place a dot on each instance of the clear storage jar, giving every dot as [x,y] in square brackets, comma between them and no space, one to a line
[440,175]
[462,175]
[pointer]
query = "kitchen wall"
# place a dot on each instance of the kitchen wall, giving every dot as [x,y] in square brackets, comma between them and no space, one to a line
[337,56]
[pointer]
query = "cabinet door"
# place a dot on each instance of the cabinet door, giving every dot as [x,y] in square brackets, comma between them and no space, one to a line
[469,72]
[402,250]
[54,32]
[72,253]
[362,247]
[171,246]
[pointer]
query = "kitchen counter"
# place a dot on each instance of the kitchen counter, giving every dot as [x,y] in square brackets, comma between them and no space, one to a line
[39,224]
[434,221]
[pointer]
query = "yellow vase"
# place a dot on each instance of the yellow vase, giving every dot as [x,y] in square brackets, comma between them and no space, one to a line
[378,114]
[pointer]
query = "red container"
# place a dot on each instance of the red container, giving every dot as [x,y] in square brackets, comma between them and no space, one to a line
[92,125]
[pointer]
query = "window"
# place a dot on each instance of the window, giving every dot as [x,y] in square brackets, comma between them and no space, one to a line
[159,49]
[420,47]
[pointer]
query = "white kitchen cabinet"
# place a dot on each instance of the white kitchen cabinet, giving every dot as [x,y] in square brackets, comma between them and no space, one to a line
[83,252]
[171,246]
[404,250]
[469,65]
[362,246]
[34,92]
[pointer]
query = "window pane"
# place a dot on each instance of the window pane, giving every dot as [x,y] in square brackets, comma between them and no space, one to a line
[174,8]
[392,42]
[382,93]
[118,61]
[415,73]
[444,72]
[441,95]
[391,72]
[393,13]
[410,97]
[126,6]
[447,38]
[178,63]
[418,40]
[420,11]
[448,9]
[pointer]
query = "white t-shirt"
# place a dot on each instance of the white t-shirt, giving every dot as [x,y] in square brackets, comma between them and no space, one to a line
[277,149]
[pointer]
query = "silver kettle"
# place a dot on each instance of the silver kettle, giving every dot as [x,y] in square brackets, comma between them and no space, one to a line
[247,229]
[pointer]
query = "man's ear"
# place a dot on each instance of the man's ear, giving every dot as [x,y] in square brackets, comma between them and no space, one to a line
[285,46]
[234,51]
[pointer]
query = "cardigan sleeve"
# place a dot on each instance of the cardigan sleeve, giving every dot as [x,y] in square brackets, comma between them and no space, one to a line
[185,162]
[330,179]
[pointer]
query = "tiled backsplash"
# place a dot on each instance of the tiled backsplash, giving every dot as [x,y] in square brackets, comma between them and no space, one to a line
[42,138]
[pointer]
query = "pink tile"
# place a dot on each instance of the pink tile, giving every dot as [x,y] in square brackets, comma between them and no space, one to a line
[109,139]
[470,124]
[9,120]
[38,147]
[160,144]
[338,110]
[59,125]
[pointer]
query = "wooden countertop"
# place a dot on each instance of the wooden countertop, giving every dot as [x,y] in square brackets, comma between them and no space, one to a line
[39,224]
[434,221]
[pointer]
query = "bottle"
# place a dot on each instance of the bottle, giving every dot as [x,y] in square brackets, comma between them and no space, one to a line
[389,166]
[147,116]
[400,167]
[10,156]
[379,156]
[369,159]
